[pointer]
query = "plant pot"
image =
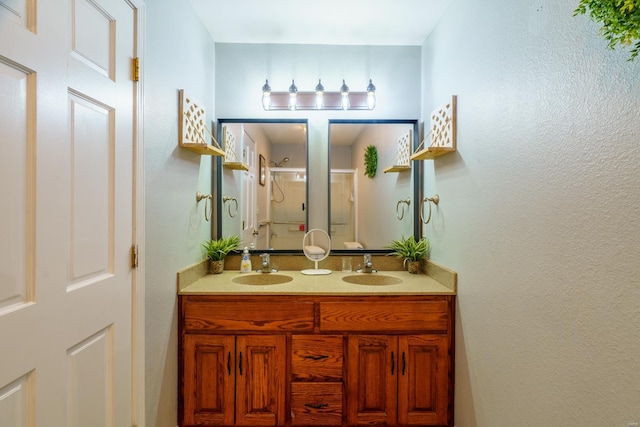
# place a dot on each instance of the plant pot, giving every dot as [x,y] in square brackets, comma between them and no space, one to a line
[413,267]
[216,267]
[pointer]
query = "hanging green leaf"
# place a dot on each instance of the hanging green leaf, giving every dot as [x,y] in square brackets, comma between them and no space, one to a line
[620,21]
[370,161]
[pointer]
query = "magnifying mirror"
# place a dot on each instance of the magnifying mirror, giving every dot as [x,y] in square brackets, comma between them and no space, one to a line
[316,246]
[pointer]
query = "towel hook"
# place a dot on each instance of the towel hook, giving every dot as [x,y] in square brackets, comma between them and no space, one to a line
[208,204]
[435,200]
[406,201]
[226,199]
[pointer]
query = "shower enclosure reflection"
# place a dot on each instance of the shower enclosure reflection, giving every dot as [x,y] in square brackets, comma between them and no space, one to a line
[272,197]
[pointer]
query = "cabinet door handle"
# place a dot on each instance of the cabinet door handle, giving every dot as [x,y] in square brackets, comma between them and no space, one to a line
[229,363]
[316,405]
[393,363]
[240,363]
[318,357]
[404,363]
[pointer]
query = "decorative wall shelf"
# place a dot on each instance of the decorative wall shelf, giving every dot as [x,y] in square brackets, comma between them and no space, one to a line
[236,165]
[403,163]
[192,128]
[442,132]
[397,168]
[231,160]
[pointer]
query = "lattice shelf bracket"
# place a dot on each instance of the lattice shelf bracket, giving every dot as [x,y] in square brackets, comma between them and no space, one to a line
[192,128]
[402,163]
[442,133]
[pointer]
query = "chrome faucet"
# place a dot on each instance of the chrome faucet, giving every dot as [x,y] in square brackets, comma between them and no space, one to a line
[368,265]
[266,263]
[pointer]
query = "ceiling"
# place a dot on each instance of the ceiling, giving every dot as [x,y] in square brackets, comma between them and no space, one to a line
[329,22]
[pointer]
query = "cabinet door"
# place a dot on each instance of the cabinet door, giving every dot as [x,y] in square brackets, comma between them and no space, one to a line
[372,367]
[423,380]
[260,380]
[208,382]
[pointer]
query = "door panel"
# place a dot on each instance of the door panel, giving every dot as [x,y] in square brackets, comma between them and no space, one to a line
[261,373]
[66,172]
[209,379]
[371,381]
[423,380]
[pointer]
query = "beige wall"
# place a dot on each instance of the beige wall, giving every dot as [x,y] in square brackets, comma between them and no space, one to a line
[539,214]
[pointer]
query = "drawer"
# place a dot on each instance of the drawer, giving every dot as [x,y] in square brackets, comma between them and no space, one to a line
[317,357]
[316,404]
[238,316]
[358,316]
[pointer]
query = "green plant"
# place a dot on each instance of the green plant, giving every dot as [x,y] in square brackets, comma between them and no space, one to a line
[620,21]
[409,249]
[370,161]
[216,250]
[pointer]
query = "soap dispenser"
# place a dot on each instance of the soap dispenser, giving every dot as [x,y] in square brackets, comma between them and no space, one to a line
[245,264]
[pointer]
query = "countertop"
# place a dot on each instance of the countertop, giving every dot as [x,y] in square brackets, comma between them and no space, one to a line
[437,280]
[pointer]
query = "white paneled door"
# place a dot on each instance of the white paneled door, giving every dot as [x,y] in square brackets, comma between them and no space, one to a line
[67,218]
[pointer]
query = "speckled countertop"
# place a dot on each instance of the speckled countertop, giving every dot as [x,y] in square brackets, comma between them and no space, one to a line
[437,280]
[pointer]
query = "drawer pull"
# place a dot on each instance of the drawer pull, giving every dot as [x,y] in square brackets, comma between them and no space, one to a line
[404,363]
[316,405]
[229,363]
[393,363]
[240,363]
[318,357]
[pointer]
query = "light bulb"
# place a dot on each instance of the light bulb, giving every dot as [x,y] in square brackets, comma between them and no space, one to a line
[371,95]
[344,96]
[319,95]
[266,95]
[293,96]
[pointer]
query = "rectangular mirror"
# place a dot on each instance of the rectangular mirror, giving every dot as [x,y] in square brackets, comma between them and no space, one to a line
[369,212]
[260,185]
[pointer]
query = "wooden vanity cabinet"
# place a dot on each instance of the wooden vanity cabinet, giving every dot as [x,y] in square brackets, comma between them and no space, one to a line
[316,360]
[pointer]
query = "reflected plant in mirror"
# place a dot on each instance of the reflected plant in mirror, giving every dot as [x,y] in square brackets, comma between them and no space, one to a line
[363,210]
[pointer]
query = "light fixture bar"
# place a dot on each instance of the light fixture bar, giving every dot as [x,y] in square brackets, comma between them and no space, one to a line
[319,99]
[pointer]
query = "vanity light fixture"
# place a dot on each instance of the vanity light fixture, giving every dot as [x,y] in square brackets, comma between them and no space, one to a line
[319,99]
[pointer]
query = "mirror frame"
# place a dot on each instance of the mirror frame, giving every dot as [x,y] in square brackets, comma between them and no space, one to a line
[416,170]
[216,176]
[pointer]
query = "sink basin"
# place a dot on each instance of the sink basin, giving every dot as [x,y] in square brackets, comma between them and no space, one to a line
[372,279]
[260,279]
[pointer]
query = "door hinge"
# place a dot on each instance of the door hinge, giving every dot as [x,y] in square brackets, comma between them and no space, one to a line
[135,69]
[134,256]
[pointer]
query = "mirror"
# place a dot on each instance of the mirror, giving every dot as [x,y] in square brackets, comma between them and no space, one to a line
[368,213]
[260,185]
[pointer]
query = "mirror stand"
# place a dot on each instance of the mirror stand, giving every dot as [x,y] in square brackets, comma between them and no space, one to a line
[316,246]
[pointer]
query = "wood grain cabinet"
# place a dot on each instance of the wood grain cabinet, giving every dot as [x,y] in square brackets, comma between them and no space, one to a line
[316,360]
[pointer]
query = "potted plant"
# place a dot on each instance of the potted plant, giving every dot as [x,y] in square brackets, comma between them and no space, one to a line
[411,251]
[217,249]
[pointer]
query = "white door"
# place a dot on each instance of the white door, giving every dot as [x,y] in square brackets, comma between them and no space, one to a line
[249,198]
[66,223]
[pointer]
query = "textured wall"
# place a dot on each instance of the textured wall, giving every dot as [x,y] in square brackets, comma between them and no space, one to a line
[539,214]
[179,55]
